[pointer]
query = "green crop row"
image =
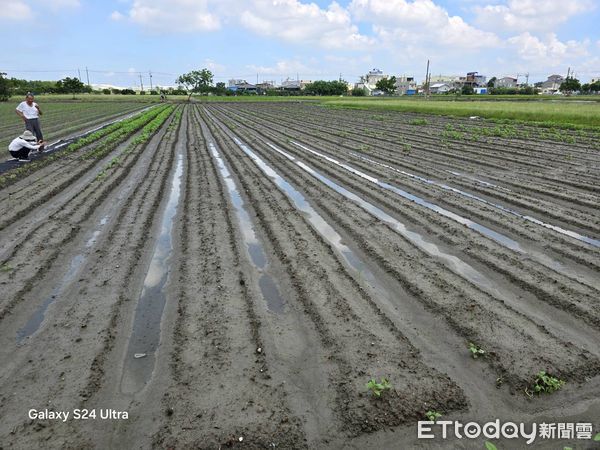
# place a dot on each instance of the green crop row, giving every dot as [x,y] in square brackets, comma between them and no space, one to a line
[145,135]
[131,125]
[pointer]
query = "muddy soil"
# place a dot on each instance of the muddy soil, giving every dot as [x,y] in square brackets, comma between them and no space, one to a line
[236,280]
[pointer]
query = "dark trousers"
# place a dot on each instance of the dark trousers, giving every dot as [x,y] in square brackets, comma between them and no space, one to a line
[21,154]
[33,125]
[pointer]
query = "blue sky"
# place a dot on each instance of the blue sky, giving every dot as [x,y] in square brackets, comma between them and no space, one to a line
[117,39]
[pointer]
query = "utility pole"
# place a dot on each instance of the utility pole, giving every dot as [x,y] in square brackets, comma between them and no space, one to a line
[150,74]
[87,75]
[527,79]
[141,82]
[568,72]
[426,87]
[79,74]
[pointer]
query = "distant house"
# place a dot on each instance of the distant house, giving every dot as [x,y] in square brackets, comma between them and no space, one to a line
[506,82]
[440,88]
[406,86]
[294,85]
[369,82]
[552,84]
[481,90]
[241,86]
[475,80]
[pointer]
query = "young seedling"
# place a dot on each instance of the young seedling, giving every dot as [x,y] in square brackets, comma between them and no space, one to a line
[490,446]
[546,383]
[433,415]
[476,352]
[378,388]
[5,268]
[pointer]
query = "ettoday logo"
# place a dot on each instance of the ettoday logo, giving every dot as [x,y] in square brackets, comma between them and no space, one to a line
[445,429]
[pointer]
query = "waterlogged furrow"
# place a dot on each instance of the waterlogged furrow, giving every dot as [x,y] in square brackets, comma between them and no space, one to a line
[140,358]
[254,246]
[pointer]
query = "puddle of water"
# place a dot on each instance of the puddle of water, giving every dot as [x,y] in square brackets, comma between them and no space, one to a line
[37,318]
[353,260]
[573,234]
[456,264]
[462,175]
[498,237]
[145,335]
[254,246]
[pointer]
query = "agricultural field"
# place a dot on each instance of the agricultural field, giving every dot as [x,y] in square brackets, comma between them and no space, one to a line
[62,118]
[291,275]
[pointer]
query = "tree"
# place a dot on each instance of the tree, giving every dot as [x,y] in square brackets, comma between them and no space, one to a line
[4,90]
[321,87]
[492,82]
[387,85]
[70,86]
[195,81]
[467,89]
[358,92]
[570,85]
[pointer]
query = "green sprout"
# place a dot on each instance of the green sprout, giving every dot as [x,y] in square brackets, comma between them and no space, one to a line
[378,388]
[433,415]
[546,383]
[476,351]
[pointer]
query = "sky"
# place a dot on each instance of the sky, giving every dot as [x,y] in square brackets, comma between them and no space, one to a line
[119,40]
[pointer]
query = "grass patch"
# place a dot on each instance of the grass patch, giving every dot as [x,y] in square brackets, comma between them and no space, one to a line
[560,113]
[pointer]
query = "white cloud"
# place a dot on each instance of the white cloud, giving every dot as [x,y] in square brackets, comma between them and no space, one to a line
[549,52]
[14,10]
[420,23]
[283,68]
[62,3]
[116,16]
[175,15]
[288,20]
[213,66]
[306,23]
[530,15]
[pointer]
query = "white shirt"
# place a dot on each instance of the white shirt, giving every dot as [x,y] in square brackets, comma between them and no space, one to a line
[19,143]
[30,112]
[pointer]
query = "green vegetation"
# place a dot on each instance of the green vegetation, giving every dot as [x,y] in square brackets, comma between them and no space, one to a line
[147,132]
[378,388]
[490,446]
[111,136]
[433,415]
[547,383]
[556,113]
[476,351]
[387,85]
[418,122]
[5,268]
[326,88]
[196,81]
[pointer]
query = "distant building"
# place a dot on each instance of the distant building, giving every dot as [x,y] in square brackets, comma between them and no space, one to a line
[294,85]
[475,80]
[506,82]
[369,81]
[406,86]
[481,90]
[552,84]
[241,86]
[440,88]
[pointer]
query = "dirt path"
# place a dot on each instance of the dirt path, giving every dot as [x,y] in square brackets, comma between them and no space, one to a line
[237,279]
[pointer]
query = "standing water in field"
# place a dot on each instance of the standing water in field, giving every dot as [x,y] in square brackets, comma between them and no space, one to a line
[255,248]
[37,318]
[354,261]
[145,336]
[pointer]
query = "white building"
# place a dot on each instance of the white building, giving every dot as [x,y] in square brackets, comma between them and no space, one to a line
[506,82]
[440,88]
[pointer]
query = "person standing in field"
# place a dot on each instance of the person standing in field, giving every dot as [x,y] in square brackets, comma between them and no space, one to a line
[30,112]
